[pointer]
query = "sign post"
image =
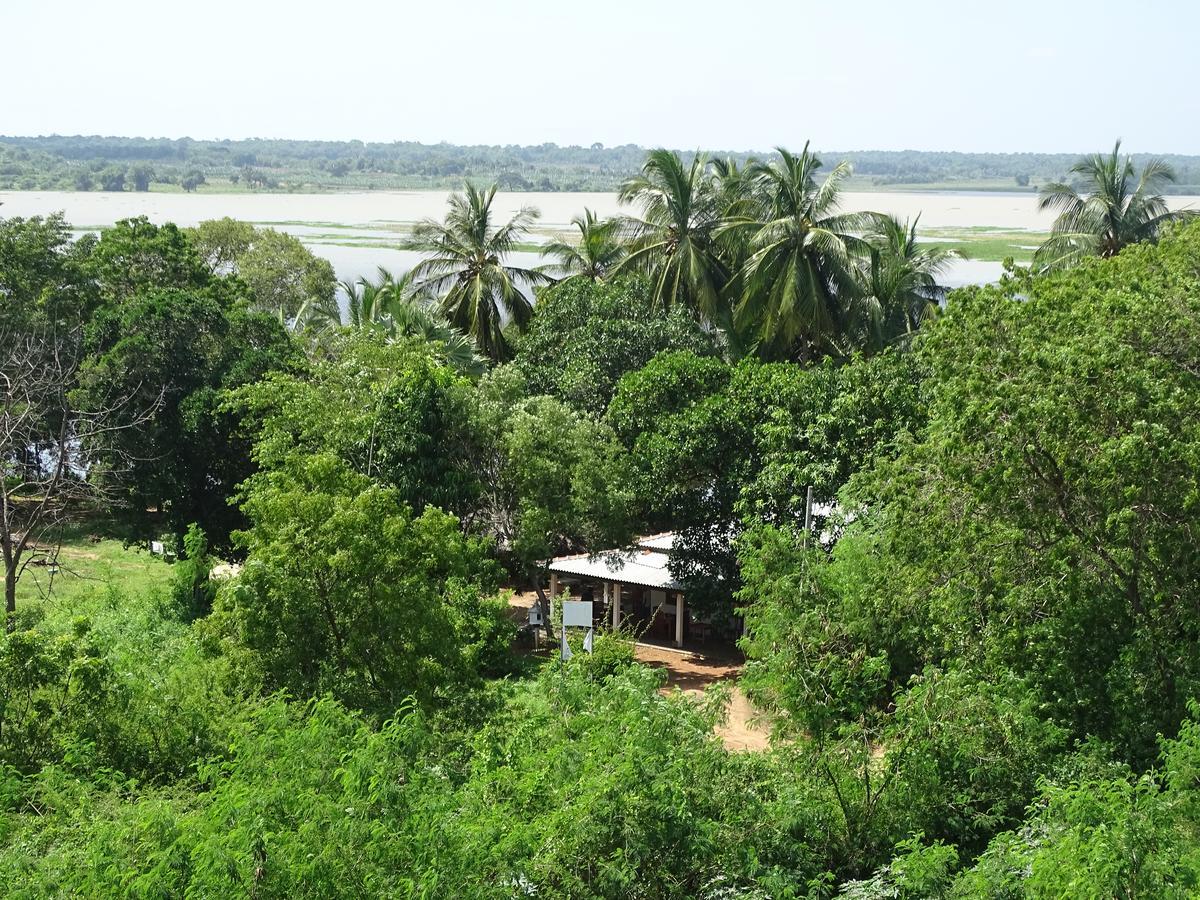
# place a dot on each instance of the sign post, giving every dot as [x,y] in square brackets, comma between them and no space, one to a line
[576,614]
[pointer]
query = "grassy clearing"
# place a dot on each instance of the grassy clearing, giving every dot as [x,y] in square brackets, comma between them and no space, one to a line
[92,566]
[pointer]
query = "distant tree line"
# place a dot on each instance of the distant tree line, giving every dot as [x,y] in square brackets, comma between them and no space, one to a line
[92,162]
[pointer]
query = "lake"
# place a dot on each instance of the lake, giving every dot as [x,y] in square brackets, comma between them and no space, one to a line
[358,231]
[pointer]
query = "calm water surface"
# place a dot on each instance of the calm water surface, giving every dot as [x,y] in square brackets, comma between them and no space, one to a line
[330,223]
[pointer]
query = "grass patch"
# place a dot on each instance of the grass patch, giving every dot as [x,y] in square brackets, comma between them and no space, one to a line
[91,563]
[986,243]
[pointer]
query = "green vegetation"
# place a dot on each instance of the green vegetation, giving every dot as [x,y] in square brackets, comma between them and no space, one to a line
[1118,209]
[464,264]
[984,242]
[978,662]
[596,253]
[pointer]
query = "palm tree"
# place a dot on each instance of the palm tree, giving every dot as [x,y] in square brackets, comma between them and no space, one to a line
[596,254]
[900,283]
[410,318]
[1119,208]
[465,266]
[317,313]
[365,302]
[393,307]
[674,237]
[799,284]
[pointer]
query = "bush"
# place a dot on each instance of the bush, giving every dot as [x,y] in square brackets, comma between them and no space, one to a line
[192,587]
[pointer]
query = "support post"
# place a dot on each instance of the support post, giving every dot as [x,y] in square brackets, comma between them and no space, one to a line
[553,584]
[615,588]
[679,619]
[807,514]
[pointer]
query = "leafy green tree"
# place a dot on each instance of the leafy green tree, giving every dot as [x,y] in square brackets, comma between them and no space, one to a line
[826,424]
[585,336]
[43,275]
[553,477]
[222,242]
[192,180]
[594,256]
[673,238]
[688,422]
[166,339]
[465,264]
[390,411]
[345,591]
[169,354]
[142,176]
[1120,207]
[135,254]
[711,444]
[1041,520]
[807,660]
[284,276]
[112,178]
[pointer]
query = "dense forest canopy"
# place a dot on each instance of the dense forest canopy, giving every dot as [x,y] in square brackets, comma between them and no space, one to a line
[117,163]
[978,666]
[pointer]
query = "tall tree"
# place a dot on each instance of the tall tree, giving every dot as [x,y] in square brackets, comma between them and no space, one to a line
[285,277]
[673,238]
[587,334]
[465,264]
[799,282]
[597,252]
[901,286]
[1117,207]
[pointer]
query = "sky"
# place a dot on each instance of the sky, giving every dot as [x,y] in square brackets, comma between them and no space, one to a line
[1046,76]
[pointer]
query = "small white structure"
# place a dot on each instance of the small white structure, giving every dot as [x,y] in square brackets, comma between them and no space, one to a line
[576,614]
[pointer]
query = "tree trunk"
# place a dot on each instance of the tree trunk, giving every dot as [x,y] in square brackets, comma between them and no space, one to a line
[544,605]
[10,598]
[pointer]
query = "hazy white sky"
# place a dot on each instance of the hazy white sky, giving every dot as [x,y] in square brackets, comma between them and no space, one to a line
[1050,75]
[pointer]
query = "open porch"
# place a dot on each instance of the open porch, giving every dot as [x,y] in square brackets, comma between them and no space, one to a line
[632,590]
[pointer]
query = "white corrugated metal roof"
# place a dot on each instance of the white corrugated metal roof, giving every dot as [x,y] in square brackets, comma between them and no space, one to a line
[647,568]
[664,543]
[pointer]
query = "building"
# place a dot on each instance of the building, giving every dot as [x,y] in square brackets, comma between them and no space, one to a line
[632,587]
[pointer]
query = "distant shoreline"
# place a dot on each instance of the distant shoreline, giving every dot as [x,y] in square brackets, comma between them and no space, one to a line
[93,162]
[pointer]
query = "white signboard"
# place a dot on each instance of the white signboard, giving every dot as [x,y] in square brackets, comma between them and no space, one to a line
[577,613]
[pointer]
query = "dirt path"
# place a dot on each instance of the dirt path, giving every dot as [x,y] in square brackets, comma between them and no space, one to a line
[693,672]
